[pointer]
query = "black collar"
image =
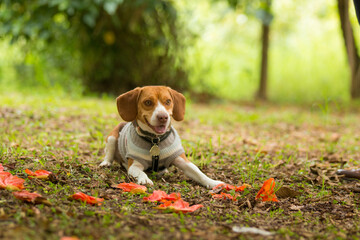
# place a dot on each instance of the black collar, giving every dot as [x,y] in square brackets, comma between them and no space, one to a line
[150,137]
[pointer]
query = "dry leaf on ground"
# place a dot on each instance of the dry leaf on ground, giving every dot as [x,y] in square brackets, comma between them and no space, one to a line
[266,192]
[225,196]
[86,198]
[159,195]
[41,174]
[131,187]
[178,206]
[11,182]
[224,186]
[31,197]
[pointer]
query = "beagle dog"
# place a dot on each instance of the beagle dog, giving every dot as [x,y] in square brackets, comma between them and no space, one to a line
[147,141]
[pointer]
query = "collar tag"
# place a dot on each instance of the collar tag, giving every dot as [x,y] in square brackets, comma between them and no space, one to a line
[155,150]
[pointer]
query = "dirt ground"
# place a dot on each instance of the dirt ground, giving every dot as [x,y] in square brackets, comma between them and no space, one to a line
[300,147]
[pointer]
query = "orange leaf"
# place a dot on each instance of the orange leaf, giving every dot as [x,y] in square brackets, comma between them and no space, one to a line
[242,188]
[132,187]
[223,186]
[159,195]
[1,168]
[228,187]
[69,238]
[86,198]
[266,192]
[43,174]
[26,196]
[178,206]
[225,196]
[11,182]
[31,197]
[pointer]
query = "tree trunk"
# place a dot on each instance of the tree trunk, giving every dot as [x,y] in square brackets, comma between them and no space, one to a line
[351,49]
[262,94]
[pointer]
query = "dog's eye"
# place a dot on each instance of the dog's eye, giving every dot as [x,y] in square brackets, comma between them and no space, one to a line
[148,103]
[168,102]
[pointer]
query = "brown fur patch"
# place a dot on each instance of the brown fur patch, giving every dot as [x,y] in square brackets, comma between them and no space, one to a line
[115,132]
[130,162]
[183,156]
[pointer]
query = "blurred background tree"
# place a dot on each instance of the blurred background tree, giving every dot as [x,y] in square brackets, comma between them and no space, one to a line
[262,10]
[119,44]
[350,46]
[213,49]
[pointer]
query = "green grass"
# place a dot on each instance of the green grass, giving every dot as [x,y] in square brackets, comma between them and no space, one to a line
[234,143]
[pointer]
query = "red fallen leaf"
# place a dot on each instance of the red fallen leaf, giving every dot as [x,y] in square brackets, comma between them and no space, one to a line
[228,187]
[31,197]
[159,195]
[69,238]
[86,198]
[1,168]
[242,188]
[223,186]
[132,187]
[266,192]
[43,174]
[26,196]
[225,196]
[178,206]
[11,182]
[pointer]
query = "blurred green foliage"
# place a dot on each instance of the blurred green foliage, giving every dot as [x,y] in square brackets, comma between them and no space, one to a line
[116,45]
[212,43]
[307,59]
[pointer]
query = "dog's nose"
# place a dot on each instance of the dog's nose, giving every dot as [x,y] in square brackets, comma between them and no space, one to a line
[162,117]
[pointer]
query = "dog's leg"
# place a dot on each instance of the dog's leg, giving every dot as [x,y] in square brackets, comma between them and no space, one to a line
[110,149]
[111,145]
[193,172]
[136,170]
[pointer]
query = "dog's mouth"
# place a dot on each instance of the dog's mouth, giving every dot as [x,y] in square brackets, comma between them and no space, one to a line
[160,129]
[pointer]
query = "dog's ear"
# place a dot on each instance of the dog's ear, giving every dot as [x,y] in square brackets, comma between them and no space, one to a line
[127,104]
[179,105]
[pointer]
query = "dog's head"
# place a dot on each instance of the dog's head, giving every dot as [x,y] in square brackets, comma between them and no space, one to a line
[152,106]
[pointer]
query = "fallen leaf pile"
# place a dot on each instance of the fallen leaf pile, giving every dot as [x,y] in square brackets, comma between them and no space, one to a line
[161,196]
[221,191]
[171,202]
[14,183]
[266,193]
[178,206]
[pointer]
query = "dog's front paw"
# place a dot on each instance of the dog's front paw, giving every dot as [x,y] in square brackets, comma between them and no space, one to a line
[213,183]
[144,180]
[105,163]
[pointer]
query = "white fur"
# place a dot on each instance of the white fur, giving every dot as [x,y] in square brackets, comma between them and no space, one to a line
[193,172]
[109,151]
[153,119]
[145,127]
[136,170]
[159,109]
